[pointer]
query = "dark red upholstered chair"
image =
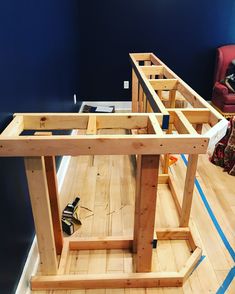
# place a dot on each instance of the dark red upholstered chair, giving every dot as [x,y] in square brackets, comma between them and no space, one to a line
[222,98]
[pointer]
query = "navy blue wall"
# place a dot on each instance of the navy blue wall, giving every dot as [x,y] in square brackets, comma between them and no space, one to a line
[38,72]
[184,34]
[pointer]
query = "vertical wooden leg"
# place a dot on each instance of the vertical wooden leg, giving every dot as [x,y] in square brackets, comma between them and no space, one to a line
[145,219]
[137,202]
[172,95]
[166,163]
[134,92]
[37,183]
[159,92]
[54,201]
[147,63]
[144,103]
[188,189]
[141,96]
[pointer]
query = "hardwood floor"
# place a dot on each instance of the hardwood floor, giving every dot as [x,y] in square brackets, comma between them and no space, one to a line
[106,186]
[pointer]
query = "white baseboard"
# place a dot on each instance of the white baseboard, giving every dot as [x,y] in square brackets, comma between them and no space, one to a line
[31,264]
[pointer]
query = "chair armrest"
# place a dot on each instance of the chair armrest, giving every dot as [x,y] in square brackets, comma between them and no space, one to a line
[220,89]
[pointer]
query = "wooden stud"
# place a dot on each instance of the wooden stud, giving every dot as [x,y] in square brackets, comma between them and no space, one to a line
[50,167]
[134,92]
[163,179]
[173,233]
[91,126]
[147,63]
[191,242]
[194,240]
[164,84]
[100,243]
[191,263]
[137,201]
[165,166]
[147,195]
[182,125]
[55,121]
[188,190]
[52,121]
[153,125]
[102,144]
[141,56]
[149,109]
[193,115]
[141,94]
[124,121]
[172,95]
[152,70]
[100,281]
[52,186]
[37,183]
[174,195]
[63,258]
[144,103]
[15,127]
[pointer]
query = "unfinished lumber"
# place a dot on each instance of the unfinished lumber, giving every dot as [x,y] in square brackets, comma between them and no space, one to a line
[188,190]
[38,191]
[137,201]
[134,92]
[152,70]
[146,196]
[93,243]
[50,168]
[15,128]
[140,99]
[173,233]
[91,126]
[191,263]
[164,84]
[147,136]
[63,258]
[51,176]
[182,125]
[102,144]
[97,281]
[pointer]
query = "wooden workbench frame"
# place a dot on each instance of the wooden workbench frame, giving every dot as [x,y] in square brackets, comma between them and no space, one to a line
[155,132]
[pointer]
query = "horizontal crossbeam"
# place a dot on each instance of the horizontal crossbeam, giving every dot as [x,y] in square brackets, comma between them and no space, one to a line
[100,243]
[97,281]
[102,145]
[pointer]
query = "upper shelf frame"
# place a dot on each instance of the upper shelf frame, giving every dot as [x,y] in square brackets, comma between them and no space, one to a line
[150,140]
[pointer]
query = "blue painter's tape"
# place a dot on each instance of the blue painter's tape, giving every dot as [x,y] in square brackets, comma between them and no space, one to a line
[165,122]
[228,280]
[212,216]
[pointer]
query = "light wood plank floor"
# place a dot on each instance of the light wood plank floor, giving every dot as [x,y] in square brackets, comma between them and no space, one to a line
[106,186]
